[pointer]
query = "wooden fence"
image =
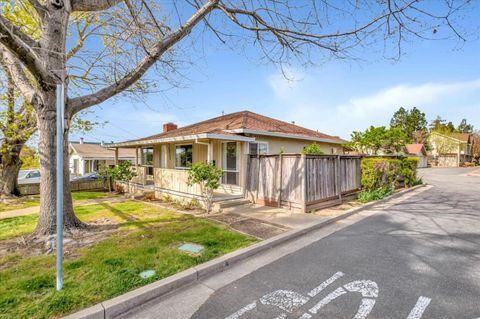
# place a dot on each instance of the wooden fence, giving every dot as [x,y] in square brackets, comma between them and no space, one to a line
[75,186]
[302,182]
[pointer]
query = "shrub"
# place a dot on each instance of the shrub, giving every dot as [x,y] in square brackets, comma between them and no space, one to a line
[207,175]
[366,196]
[409,170]
[312,149]
[380,172]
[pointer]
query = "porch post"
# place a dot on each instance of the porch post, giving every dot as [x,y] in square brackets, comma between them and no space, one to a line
[136,157]
[116,156]
[210,153]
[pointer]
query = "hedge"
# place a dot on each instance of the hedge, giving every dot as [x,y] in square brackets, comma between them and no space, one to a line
[380,172]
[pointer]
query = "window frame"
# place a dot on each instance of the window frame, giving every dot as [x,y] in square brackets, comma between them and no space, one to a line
[143,156]
[258,147]
[175,156]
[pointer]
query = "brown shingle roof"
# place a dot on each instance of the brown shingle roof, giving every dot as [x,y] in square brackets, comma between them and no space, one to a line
[242,120]
[93,150]
[464,137]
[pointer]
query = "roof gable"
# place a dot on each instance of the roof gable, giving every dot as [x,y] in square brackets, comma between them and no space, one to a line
[93,150]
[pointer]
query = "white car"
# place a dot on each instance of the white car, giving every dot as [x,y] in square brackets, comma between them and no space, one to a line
[29,176]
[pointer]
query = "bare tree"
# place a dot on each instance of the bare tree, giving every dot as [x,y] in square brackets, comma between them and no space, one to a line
[132,37]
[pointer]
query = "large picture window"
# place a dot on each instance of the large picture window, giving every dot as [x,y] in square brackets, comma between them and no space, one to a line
[183,156]
[258,148]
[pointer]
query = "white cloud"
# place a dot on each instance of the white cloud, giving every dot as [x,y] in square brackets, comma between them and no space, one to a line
[310,107]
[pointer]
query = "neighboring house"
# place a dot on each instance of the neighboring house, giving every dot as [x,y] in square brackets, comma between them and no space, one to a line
[87,157]
[418,150]
[226,141]
[450,150]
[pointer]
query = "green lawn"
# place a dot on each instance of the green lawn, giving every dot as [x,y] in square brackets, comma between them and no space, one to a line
[29,201]
[147,239]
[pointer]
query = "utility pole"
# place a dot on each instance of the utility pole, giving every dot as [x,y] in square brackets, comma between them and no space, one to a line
[60,124]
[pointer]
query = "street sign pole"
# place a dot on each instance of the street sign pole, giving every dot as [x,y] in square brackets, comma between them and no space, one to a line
[60,120]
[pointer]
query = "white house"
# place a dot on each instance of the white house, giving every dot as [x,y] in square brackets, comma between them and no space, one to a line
[87,157]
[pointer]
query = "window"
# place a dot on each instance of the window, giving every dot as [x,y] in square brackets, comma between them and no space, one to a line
[183,156]
[147,156]
[258,148]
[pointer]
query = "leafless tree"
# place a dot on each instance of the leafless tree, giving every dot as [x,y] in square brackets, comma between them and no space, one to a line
[128,38]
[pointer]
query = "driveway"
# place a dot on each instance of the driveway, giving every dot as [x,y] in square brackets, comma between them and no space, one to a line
[418,258]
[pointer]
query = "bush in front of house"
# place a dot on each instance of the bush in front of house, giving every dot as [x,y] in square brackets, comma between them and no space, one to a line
[380,172]
[208,176]
[312,149]
[409,171]
[366,196]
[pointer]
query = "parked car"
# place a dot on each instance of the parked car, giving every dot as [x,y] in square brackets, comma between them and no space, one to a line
[88,177]
[29,176]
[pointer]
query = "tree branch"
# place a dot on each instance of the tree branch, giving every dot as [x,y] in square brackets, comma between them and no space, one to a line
[77,104]
[22,46]
[18,74]
[93,5]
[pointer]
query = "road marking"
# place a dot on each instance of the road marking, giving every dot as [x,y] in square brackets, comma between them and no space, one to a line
[325,301]
[281,316]
[367,288]
[309,316]
[242,311]
[284,299]
[365,308]
[325,284]
[420,306]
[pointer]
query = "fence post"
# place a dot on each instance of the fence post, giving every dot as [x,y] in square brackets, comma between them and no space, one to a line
[338,177]
[304,181]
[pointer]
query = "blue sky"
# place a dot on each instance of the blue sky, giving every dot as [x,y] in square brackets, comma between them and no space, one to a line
[337,97]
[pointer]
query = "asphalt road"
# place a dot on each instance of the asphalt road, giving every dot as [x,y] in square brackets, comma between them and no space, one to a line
[416,259]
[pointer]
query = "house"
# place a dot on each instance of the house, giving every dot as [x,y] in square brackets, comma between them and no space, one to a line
[418,150]
[163,159]
[450,149]
[87,157]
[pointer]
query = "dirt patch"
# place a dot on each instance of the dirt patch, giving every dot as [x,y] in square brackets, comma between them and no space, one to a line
[227,218]
[339,209]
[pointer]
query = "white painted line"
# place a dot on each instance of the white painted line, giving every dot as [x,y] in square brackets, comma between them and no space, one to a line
[306,316]
[325,284]
[367,288]
[281,316]
[325,301]
[284,299]
[420,306]
[365,308]
[242,311]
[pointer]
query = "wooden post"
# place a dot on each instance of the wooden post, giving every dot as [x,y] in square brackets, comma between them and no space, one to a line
[136,158]
[258,178]
[303,168]
[338,177]
[116,156]
[280,186]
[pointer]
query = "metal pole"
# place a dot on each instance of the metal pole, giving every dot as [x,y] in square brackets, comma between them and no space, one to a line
[60,119]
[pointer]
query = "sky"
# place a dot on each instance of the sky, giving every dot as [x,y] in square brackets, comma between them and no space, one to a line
[335,97]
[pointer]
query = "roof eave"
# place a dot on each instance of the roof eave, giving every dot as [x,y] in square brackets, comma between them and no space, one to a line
[182,138]
[286,135]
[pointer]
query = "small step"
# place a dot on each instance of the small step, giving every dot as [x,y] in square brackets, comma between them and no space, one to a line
[219,206]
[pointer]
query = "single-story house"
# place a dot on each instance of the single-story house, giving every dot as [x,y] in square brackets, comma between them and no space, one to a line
[87,157]
[450,150]
[163,159]
[418,150]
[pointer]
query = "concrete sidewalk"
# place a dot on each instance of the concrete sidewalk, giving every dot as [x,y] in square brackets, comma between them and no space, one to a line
[36,209]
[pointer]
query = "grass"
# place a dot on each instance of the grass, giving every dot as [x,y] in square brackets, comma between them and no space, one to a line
[31,201]
[147,239]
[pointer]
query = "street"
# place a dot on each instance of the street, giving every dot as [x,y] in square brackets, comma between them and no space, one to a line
[418,258]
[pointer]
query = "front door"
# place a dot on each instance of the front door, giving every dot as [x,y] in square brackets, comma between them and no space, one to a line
[230,163]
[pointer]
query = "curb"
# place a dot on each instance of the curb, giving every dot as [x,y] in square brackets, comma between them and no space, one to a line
[114,307]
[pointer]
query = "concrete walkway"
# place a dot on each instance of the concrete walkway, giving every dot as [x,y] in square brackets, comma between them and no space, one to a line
[36,209]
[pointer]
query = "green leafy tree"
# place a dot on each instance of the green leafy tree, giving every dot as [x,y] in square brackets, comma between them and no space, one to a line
[312,149]
[464,127]
[122,172]
[207,176]
[413,122]
[29,157]
[378,139]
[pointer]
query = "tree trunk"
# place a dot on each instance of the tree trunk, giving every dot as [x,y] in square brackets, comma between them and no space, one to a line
[9,168]
[47,145]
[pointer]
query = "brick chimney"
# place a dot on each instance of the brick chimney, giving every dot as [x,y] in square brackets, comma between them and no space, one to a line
[169,127]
